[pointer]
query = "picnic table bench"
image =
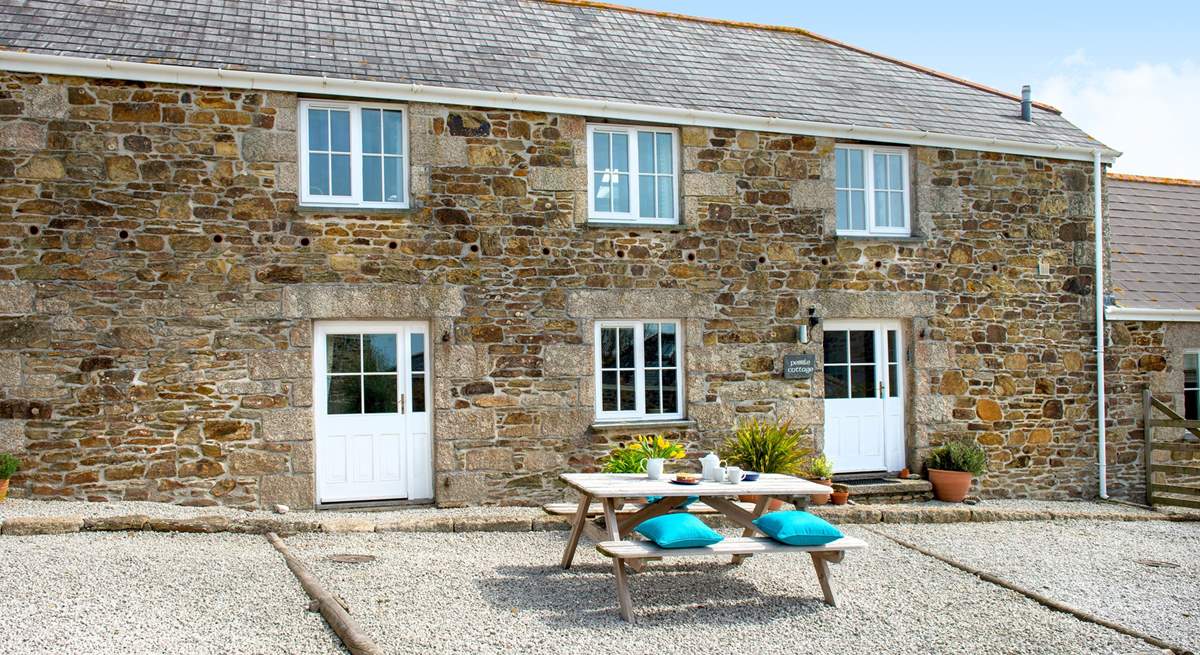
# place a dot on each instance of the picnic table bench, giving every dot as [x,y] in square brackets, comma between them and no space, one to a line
[612,488]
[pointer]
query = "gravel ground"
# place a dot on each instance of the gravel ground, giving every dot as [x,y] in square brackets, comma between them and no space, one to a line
[1088,564]
[153,593]
[486,593]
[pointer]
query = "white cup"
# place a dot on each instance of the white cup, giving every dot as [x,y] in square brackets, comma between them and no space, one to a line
[734,475]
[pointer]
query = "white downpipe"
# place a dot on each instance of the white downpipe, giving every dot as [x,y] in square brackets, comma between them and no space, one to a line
[1098,283]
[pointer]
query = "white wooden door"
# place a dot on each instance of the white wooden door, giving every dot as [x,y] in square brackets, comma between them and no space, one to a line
[371,396]
[864,396]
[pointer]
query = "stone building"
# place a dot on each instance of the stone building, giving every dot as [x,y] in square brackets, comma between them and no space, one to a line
[346,251]
[1153,314]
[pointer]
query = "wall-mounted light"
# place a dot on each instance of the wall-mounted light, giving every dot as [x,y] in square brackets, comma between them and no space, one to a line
[802,333]
[813,319]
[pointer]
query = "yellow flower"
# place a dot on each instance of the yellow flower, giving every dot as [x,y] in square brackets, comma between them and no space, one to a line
[635,446]
[662,443]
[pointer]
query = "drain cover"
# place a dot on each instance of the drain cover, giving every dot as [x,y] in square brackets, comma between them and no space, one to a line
[1157,564]
[347,558]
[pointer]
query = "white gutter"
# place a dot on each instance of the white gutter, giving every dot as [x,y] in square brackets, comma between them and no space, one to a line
[1153,314]
[1098,283]
[237,79]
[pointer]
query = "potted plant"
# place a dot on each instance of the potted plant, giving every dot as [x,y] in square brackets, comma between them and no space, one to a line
[8,466]
[841,494]
[820,470]
[765,447]
[951,467]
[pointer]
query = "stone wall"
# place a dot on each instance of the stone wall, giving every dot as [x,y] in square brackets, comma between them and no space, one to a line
[158,284]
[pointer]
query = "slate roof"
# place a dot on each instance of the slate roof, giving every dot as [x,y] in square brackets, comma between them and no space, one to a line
[542,47]
[1154,241]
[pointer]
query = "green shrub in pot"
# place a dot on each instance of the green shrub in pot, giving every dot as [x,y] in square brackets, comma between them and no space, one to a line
[952,465]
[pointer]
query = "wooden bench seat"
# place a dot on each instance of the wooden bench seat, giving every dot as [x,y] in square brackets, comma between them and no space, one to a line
[596,509]
[636,551]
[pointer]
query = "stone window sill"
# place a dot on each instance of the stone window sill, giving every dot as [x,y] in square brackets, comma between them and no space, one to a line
[610,225]
[316,210]
[895,238]
[630,426]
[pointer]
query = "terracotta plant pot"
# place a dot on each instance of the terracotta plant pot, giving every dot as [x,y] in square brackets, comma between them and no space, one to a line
[840,497]
[774,506]
[3,489]
[821,499]
[950,486]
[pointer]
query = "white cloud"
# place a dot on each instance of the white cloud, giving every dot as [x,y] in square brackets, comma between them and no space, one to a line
[1148,111]
[1077,58]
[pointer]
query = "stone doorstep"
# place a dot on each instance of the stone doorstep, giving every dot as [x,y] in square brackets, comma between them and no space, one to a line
[840,514]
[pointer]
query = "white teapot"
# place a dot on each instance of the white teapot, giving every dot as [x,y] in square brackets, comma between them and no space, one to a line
[710,467]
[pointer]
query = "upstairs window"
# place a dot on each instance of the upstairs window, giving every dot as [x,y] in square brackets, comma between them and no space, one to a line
[638,372]
[633,174]
[353,154]
[1191,386]
[872,191]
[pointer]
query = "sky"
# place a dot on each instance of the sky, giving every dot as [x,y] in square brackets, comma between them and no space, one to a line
[1128,73]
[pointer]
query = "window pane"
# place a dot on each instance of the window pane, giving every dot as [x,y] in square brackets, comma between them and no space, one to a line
[836,382]
[881,208]
[372,139]
[858,210]
[626,347]
[862,346]
[603,197]
[620,152]
[842,177]
[893,356]
[318,129]
[653,392]
[1191,406]
[881,172]
[893,380]
[339,131]
[608,391]
[628,401]
[416,353]
[670,401]
[646,207]
[340,174]
[897,208]
[668,344]
[645,152]
[650,344]
[393,132]
[393,179]
[895,174]
[856,169]
[862,382]
[666,197]
[608,348]
[380,394]
[843,210]
[664,150]
[318,174]
[343,395]
[379,353]
[342,353]
[835,347]
[372,179]
[621,194]
[600,151]
[418,393]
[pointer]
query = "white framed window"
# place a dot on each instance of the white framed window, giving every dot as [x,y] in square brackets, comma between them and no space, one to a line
[353,154]
[1191,385]
[633,174]
[872,190]
[639,373]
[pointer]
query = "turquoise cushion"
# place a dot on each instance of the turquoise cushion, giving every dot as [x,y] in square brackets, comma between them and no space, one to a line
[650,500]
[797,528]
[677,531]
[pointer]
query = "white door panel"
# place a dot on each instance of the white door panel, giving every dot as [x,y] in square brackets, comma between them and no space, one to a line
[372,430]
[864,396]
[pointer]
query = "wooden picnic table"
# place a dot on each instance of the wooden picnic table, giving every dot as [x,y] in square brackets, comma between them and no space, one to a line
[612,488]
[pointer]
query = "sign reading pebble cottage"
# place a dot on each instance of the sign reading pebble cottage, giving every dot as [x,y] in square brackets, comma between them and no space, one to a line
[282,276]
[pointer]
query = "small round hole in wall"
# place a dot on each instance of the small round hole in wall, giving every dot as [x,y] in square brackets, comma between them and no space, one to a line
[392,245]
[824,262]
[124,234]
[545,251]
[474,247]
[305,241]
[938,266]
[33,229]
[218,238]
[762,260]
[995,267]
[691,257]
[878,264]
[620,253]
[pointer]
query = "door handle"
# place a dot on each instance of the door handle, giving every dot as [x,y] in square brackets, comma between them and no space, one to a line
[401,403]
[881,392]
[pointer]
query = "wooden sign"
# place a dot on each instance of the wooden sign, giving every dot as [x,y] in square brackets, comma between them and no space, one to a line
[799,367]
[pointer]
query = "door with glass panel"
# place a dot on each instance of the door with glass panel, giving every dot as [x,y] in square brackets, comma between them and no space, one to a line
[371,392]
[864,396]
